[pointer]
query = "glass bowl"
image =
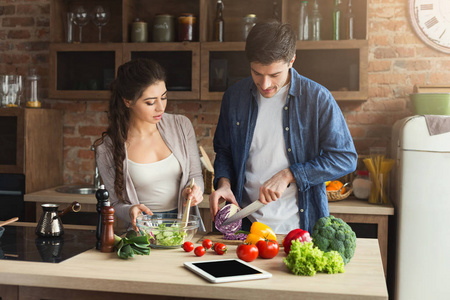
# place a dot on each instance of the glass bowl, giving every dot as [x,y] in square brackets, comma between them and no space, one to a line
[166,230]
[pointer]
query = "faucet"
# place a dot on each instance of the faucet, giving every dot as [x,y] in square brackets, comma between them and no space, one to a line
[97,180]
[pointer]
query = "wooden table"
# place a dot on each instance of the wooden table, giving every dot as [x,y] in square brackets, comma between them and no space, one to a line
[350,210]
[96,275]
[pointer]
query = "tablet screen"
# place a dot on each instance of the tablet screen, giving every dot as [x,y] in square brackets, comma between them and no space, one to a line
[226,268]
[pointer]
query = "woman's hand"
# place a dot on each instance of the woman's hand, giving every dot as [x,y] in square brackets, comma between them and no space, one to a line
[137,210]
[194,193]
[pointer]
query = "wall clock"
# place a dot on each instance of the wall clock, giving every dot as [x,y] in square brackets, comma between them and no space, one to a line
[431,21]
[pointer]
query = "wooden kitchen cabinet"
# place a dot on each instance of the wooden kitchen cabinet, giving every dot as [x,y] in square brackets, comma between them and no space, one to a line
[36,151]
[84,72]
[180,60]
[202,69]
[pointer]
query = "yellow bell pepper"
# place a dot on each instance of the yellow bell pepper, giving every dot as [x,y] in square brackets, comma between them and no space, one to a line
[253,238]
[258,232]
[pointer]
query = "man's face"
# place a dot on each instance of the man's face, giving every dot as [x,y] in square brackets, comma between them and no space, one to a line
[271,78]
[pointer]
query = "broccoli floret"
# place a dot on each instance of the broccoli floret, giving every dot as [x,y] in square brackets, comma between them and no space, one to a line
[337,246]
[322,241]
[330,233]
[340,235]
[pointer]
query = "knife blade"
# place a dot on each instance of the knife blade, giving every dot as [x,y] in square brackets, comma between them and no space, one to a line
[249,209]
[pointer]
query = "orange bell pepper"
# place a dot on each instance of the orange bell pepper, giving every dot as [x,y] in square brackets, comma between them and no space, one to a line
[258,232]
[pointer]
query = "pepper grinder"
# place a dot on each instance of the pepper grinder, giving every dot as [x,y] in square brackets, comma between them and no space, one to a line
[102,196]
[107,238]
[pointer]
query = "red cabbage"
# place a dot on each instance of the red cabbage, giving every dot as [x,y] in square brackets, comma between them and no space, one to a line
[235,236]
[223,214]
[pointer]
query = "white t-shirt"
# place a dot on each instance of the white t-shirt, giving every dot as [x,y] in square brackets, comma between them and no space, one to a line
[267,157]
[157,183]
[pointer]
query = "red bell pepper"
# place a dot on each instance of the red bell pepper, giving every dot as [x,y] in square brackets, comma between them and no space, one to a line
[296,234]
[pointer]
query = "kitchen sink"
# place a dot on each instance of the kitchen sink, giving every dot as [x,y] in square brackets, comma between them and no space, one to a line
[77,189]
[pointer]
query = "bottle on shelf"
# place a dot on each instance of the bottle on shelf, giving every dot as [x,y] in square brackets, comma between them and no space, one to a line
[303,22]
[315,22]
[275,11]
[218,22]
[337,19]
[350,22]
[69,22]
[248,22]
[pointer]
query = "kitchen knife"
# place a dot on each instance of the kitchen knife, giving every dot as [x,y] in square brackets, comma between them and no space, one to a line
[249,209]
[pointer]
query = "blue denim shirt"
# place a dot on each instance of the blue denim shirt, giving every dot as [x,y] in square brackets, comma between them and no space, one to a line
[318,142]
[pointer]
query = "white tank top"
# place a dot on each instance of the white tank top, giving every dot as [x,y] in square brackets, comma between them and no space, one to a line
[268,156]
[157,183]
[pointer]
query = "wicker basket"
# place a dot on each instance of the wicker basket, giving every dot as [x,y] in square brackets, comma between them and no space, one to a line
[337,196]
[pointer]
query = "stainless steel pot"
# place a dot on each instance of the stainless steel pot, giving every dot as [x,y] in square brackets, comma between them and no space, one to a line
[50,224]
[3,223]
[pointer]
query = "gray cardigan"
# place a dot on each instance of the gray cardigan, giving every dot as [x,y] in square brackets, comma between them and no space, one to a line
[178,134]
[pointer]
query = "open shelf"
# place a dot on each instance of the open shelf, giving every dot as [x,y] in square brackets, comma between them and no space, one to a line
[199,70]
[180,60]
[84,73]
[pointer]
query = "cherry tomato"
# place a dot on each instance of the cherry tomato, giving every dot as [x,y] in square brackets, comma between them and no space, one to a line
[247,252]
[207,243]
[199,251]
[267,248]
[188,246]
[220,248]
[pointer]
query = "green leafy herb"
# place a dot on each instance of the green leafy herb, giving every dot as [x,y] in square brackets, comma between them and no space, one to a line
[131,244]
[305,259]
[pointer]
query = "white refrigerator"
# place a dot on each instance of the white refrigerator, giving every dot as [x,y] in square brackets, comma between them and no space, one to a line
[422,206]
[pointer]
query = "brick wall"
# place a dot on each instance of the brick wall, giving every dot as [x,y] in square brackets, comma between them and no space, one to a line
[397,61]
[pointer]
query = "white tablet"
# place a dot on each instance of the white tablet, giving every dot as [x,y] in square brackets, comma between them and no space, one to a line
[226,270]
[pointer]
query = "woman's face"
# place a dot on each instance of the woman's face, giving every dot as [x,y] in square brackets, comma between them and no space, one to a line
[151,105]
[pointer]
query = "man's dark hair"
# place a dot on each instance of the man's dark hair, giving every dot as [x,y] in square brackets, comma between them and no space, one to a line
[269,42]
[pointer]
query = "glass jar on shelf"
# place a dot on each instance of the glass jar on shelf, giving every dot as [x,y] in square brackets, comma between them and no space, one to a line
[186,27]
[33,89]
[361,185]
[164,28]
[139,31]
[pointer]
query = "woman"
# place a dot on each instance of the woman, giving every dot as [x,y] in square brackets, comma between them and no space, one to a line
[147,158]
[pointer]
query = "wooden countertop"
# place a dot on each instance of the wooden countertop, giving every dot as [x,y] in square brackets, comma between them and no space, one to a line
[162,273]
[347,206]
[52,196]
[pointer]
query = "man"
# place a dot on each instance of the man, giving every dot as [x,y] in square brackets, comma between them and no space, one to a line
[279,137]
